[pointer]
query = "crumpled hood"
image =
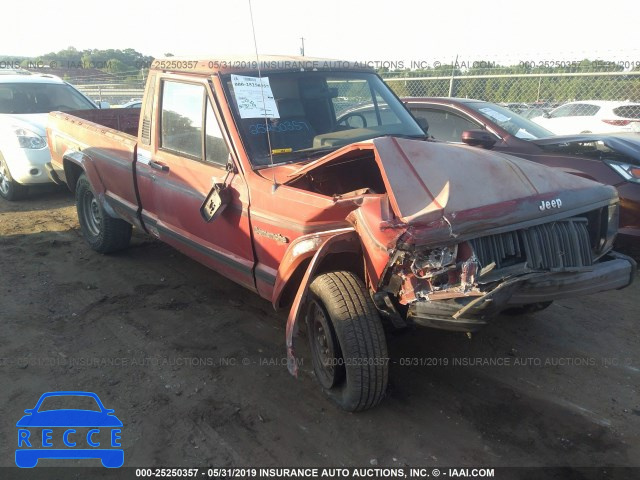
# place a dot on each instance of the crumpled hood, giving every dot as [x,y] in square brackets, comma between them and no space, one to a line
[428,181]
[36,122]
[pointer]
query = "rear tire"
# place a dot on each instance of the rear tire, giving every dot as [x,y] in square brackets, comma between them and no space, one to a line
[348,346]
[103,233]
[9,188]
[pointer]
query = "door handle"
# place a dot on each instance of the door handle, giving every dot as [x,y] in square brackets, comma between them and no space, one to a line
[158,166]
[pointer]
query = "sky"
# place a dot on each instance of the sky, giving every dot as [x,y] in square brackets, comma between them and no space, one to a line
[424,31]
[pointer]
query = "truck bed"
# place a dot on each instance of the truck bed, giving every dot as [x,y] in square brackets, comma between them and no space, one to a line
[103,144]
[121,119]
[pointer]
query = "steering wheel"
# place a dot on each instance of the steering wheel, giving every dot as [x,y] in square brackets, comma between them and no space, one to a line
[346,120]
[56,108]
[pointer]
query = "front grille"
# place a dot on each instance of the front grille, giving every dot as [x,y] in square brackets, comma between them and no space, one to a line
[549,246]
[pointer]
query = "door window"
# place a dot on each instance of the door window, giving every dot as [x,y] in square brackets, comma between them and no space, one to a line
[216,150]
[182,107]
[443,125]
[183,120]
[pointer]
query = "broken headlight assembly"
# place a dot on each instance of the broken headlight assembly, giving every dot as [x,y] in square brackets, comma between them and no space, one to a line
[435,261]
[609,228]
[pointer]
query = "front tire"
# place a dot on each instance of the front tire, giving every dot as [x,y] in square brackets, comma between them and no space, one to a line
[9,188]
[348,346]
[103,233]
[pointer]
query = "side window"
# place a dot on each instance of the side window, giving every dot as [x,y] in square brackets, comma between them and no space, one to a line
[182,106]
[563,111]
[443,125]
[216,150]
[585,110]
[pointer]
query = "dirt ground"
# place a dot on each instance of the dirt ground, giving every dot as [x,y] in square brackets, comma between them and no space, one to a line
[194,366]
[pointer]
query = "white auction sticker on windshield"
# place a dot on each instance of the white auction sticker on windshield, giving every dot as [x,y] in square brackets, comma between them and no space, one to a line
[254,97]
[490,112]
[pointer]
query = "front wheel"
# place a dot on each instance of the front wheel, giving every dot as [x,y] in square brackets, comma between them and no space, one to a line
[103,233]
[9,188]
[348,346]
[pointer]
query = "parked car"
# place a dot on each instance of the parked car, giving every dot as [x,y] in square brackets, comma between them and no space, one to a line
[592,117]
[25,100]
[532,112]
[131,104]
[266,178]
[516,107]
[613,159]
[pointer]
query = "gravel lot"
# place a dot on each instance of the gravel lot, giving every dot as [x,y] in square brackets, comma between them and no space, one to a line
[193,366]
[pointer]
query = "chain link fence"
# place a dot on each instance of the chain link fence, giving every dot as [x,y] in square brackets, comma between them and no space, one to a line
[116,89]
[531,93]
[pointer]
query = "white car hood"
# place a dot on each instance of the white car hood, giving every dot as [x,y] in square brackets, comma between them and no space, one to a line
[36,122]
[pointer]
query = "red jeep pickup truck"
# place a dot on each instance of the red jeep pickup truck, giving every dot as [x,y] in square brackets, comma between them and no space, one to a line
[264,175]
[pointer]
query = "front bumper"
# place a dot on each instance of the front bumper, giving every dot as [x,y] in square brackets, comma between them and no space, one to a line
[27,166]
[614,271]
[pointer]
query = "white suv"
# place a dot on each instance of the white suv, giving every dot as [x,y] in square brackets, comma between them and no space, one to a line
[25,100]
[592,116]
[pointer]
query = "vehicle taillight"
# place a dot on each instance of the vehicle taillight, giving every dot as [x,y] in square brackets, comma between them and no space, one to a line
[618,123]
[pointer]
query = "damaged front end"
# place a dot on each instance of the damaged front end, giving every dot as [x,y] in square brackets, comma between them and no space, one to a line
[459,286]
[432,284]
[451,236]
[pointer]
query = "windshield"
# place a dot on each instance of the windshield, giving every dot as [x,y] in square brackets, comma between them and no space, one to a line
[307,113]
[513,123]
[25,98]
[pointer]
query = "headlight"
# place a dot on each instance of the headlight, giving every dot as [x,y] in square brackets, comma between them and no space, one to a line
[626,170]
[605,229]
[433,262]
[613,216]
[28,139]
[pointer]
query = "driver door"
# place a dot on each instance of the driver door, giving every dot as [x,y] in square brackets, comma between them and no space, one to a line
[192,155]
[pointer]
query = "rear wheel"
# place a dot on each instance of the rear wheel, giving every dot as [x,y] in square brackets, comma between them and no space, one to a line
[103,233]
[348,346]
[9,188]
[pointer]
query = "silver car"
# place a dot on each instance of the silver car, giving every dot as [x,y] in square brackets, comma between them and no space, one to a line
[25,100]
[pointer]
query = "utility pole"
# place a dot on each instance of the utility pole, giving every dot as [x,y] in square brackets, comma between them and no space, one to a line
[453,72]
[302,47]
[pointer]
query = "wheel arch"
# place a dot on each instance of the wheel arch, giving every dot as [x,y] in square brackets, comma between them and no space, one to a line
[75,163]
[322,245]
[294,264]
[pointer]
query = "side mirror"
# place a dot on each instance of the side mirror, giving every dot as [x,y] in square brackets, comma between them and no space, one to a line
[479,138]
[219,197]
[215,203]
[102,105]
[424,125]
[546,115]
